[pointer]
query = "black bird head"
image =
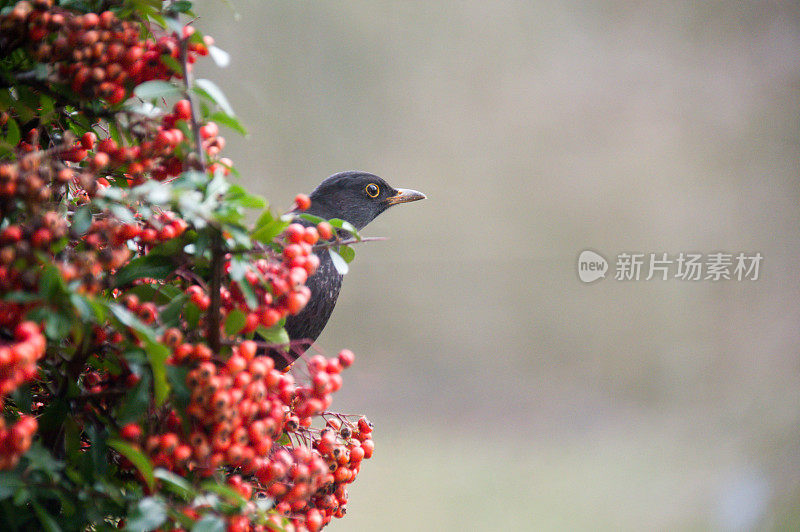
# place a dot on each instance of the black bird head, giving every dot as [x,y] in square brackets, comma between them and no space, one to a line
[357,197]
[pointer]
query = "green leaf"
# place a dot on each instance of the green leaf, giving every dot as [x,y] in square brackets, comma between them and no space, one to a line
[150,514]
[82,306]
[235,322]
[21,297]
[47,103]
[81,220]
[228,121]
[48,523]
[344,224]
[177,484]
[242,197]
[210,90]
[136,401]
[265,218]
[10,482]
[171,314]
[98,451]
[180,391]
[51,284]
[191,313]
[233,496]
[209,523]
[151,266]
[218,185]
[347,253]
[269,231]
[274,335]
[312,218]
[123,213]
[249,294]
[128,319]
[156,89]
[41,459]
[57,326]
[138,459]
[338,262]
[157,354]
[179,6]
[12,136]
[170,62]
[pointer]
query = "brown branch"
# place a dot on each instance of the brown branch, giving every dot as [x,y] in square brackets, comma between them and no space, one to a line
[187,86]
[217,255]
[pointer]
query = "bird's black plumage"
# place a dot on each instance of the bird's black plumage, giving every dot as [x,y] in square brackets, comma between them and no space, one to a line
[358,198]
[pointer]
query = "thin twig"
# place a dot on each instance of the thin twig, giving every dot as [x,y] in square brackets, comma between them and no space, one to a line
[338,242]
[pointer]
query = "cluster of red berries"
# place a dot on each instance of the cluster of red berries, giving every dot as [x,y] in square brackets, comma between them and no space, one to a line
[279,285]
[165,226]
[97,55]
[15,440]
[33,177]
[156,152]
[18,365]
[237,412]
[21,245]
[18,359]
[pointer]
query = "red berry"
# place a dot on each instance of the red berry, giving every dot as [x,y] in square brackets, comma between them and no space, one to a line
[11,234]
[209,130]
[131,432]
[41,238]
[369,448]
[88,139]
[295,233]
[311,235]
[303,202]
[325,230]
[346,358]
[183,110]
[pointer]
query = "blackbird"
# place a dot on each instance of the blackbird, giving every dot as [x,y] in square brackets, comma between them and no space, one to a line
[356,197]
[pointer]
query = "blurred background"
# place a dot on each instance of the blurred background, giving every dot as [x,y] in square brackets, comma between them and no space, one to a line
[506,393]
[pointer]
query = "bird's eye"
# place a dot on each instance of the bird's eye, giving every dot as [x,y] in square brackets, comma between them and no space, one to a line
[372,190]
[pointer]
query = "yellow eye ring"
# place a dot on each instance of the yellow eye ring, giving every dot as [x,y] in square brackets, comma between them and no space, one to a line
[372,190]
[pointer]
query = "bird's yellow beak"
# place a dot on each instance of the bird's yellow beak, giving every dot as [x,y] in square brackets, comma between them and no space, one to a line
[404,195]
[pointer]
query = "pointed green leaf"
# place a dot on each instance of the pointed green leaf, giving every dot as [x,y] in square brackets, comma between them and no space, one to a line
[137,458]
[150,266]
[178,484]
[235,322]
[228,121]
[209,523]
[157,354]
[156,89]
[274,335]
[12,137]
[215,94]
[150,514]
[347,253]
[49,524]
[81,220]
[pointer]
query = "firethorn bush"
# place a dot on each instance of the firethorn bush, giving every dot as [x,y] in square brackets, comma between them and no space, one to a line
[139,303]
